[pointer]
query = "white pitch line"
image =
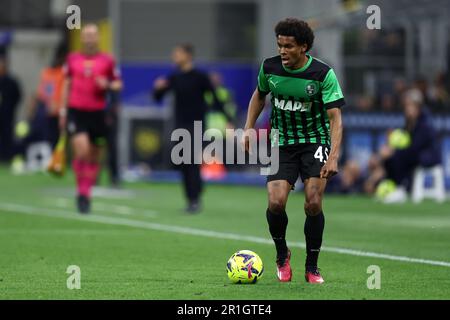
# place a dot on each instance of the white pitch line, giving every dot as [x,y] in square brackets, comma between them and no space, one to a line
[199,232]
[104,207]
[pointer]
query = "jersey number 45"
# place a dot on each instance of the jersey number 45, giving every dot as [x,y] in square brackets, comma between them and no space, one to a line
[319,154]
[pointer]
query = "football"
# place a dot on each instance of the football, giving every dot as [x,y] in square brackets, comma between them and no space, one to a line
[399,139]
[384,188]
[245,266]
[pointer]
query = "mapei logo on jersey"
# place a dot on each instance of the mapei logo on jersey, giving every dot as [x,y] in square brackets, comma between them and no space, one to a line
[311,89]
[289,105]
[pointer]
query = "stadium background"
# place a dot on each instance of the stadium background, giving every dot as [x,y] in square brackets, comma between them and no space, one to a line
[232,38]
[137,243]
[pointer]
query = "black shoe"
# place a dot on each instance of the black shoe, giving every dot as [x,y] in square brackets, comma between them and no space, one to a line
[83,204]
[193,207]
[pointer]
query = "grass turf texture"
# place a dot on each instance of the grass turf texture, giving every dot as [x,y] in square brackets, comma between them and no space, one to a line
[126,262]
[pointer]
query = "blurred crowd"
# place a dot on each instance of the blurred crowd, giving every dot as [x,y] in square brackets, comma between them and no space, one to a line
[415,145]
[436,95]
[383,55]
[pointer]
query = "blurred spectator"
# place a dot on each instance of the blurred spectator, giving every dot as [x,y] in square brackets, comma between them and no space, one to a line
[349,180]
[421,84]
[382,43]
[112,125]
[393,43]
[189,85]
[400,87]
[389,93]
[10,95]
[388,103]
[424,149]
[439,95]
[42,115]
[43,110]
[220,119]
[375,173]
[364,103]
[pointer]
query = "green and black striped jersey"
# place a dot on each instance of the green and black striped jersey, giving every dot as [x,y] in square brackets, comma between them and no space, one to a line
[300,99]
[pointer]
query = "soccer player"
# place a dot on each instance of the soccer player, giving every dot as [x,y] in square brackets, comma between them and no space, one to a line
[89,75]
[306,102]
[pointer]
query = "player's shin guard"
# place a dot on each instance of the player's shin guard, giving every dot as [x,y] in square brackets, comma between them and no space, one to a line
[277,226]
[314,226]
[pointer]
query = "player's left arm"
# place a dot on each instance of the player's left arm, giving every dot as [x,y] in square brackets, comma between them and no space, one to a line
[331,166]
[333,100]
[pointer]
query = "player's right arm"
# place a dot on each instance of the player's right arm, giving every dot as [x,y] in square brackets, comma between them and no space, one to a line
[255,107]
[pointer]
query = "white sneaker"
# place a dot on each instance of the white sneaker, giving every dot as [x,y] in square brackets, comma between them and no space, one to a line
[397,196]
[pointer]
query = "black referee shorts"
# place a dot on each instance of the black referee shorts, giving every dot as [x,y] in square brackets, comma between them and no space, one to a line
[91,122]
[304,159]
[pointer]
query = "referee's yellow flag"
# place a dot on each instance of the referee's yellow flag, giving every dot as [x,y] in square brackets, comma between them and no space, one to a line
[57,163]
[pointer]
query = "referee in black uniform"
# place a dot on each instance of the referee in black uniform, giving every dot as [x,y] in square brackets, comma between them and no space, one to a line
[189,86]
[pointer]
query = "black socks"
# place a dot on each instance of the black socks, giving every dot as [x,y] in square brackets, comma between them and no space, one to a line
[313,230]
[277,226]
[314,226]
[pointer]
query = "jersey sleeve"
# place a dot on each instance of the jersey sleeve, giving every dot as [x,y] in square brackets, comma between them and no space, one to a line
[332,96]
[263,84]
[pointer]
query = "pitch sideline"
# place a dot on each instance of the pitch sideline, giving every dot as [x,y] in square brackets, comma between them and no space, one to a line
[17,208]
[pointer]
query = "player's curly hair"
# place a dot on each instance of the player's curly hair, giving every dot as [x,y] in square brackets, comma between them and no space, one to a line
[296,28]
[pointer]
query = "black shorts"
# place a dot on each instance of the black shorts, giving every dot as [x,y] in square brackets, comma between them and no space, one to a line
[91,122]
[305,160]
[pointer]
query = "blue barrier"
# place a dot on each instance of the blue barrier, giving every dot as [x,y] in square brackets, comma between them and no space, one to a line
[239,78]
[446,160]
[359,147]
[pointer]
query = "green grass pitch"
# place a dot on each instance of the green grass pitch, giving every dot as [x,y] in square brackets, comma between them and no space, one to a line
[137,244]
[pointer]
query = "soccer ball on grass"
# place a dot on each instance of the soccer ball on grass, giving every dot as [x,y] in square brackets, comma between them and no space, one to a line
[384,188]
[245,266]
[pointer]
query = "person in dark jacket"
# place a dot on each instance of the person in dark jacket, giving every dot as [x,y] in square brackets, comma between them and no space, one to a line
[423,150]
[189,86]
[112,125]
[10,95]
